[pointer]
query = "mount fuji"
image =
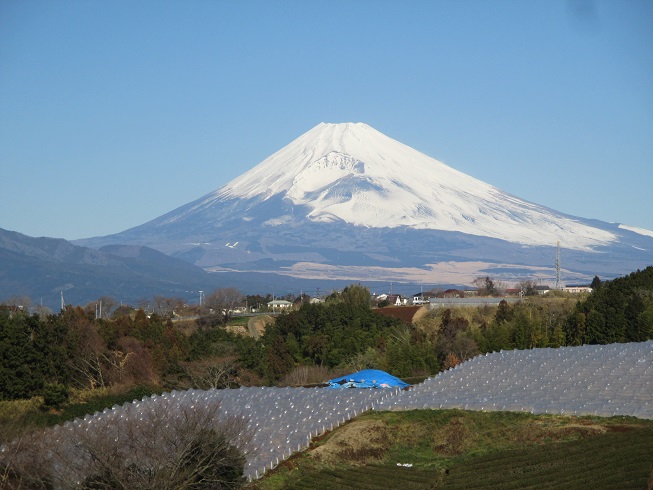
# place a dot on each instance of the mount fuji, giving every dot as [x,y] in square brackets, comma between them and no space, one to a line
[346,202]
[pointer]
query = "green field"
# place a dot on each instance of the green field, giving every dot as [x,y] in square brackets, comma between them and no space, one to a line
[458,449]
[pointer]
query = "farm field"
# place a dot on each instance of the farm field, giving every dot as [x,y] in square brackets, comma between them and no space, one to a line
[464,449]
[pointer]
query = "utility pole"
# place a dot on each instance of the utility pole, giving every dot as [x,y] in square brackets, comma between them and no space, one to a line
[557,264]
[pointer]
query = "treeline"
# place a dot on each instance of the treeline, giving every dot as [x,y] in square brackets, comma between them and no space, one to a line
[620,310]
[49,355]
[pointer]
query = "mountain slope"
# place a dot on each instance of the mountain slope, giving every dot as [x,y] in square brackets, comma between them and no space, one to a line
[353,173]
[41,268]
[345,195]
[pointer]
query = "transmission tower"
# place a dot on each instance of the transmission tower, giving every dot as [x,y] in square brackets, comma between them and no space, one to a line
[558,285]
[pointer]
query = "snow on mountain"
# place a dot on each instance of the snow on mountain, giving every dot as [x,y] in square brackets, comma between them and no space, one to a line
[354,173]
[345,202]
[640,231]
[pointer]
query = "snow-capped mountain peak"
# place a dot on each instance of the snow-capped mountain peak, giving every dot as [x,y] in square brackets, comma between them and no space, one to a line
[345,202]
[354,173]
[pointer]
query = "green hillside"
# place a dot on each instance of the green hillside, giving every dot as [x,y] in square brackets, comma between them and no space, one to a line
[459,449]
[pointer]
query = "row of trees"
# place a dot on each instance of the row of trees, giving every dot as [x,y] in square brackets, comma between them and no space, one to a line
[620,310]
[74,349]
[48,355]
[349,335]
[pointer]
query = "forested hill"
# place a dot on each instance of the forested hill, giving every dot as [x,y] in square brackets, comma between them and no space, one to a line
[620,310]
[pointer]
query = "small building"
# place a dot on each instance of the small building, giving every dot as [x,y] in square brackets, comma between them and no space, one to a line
[420,300]
[577,288]
[452,293]
[397,300]
[281,304]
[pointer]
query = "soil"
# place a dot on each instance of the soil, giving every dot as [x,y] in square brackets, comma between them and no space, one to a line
[257,325]
[403,313]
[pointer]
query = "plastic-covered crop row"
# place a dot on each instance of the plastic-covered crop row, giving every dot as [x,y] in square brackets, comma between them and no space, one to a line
[285,419]
[599,380]
[280,421]
[604,380]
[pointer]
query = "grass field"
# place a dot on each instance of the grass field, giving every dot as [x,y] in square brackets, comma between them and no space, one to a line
[458,449]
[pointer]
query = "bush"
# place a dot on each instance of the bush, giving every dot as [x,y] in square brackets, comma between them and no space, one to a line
[163,446]
[54,395]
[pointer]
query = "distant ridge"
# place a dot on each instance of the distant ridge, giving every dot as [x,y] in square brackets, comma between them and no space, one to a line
[41,268]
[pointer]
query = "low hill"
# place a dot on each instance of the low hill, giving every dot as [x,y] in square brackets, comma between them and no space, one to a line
[42,268]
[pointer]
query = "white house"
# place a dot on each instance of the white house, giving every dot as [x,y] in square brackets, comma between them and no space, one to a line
[280,304]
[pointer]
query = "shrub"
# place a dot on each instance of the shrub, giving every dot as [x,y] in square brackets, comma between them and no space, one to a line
[54,395]
[164,446]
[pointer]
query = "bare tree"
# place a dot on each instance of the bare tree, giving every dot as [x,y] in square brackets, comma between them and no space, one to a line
[144,304]
[527,288]
[106,306]
[218,375]
[488,287]
[42,311]
[223,300]
[162,446]
[90,350]
[464,347]
[306,375]
[165,306]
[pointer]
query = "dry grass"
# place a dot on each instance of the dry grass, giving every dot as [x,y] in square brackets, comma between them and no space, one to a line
[306,376]
[361,442]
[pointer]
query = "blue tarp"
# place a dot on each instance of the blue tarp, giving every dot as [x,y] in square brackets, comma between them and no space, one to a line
[368,378]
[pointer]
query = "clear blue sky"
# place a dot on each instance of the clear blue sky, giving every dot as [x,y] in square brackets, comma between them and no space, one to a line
[113,113]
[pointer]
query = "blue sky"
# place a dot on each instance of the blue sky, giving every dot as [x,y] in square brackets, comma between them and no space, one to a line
[113,113]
